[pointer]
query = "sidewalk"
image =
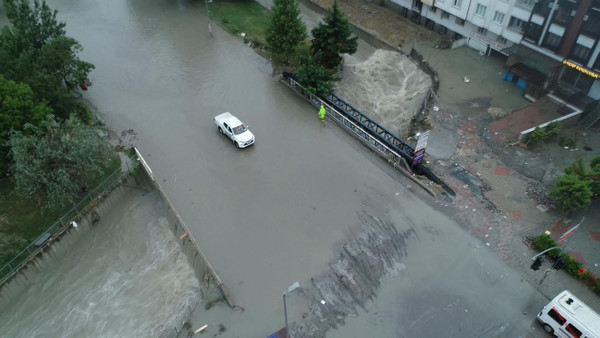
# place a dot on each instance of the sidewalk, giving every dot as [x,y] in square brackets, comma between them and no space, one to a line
[500,190]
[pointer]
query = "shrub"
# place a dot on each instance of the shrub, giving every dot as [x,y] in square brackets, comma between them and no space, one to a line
[544,242]
[540,134]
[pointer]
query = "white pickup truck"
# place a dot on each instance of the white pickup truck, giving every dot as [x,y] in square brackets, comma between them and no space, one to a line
[234,129]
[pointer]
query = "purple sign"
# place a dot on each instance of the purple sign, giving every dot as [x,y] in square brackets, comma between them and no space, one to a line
[418,157]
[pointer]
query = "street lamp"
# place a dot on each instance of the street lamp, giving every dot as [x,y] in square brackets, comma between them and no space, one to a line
[290,289]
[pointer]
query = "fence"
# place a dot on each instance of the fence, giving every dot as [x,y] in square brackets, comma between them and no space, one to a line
[380,140]
[61,226]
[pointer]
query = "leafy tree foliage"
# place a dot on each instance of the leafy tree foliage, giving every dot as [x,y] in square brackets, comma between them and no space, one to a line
[315,78]
[10,246]
[572,192]
[35,50]
[286,29]
[333,38]
[17,107]
[55,160]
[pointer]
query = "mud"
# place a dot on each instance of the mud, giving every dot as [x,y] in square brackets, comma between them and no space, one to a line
[354,279]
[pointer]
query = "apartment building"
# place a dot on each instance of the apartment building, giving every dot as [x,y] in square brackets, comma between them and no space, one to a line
[550,45]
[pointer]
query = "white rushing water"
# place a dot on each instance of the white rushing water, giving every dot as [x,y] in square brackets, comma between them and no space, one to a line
[125,277]
[388,87]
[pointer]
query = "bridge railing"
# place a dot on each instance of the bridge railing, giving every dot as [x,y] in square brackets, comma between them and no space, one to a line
[366,130]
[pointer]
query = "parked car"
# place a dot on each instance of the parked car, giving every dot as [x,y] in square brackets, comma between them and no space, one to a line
[233,128]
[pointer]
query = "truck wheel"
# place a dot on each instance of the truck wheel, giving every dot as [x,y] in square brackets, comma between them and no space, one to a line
[548,328]
[220,130]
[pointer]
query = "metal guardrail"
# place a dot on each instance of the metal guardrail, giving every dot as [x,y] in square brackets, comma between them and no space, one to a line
[59,227]
[367,130]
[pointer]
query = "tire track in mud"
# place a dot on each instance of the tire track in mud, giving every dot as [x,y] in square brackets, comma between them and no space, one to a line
[377,250]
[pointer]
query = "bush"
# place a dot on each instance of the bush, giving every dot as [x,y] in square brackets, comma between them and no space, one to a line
[540,134]
[572,266]
[544,242]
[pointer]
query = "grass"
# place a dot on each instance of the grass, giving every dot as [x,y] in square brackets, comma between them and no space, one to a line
[22,217]
[242,16]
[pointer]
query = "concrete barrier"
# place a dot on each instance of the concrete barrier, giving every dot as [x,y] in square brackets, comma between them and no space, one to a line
[201,265]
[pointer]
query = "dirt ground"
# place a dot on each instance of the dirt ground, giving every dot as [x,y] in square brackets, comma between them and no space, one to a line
[382,21]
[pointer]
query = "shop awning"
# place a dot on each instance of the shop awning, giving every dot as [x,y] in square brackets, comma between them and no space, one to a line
[526,57]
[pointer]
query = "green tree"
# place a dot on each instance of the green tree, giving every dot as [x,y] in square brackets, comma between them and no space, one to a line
[17,107]
[315,78]
[286,29]
[55,160]
[35,50]
[572,192]
[10,246]
[333,38]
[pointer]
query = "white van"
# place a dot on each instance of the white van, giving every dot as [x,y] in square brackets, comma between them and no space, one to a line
[568,317]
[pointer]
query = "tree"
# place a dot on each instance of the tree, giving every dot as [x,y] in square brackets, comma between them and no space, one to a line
[10,246]
[286,29]
[17,107]
[333,38]
[35,50]
[315,78]
[55,160]
[572,192]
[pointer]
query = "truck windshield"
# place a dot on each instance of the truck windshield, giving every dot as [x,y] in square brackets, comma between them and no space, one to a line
[239,129]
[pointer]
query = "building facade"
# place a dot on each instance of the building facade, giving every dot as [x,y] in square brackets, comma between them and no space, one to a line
[550,45]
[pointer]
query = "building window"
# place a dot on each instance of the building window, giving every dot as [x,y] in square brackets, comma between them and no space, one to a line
[580,53]
[480,10]
[457,3]
[433,9]
[501,40]
[460,21]
[533,32]
[591,22]
[498,17]
[445,15]
[526,3]
[481,30]
[552,40]
[516,24]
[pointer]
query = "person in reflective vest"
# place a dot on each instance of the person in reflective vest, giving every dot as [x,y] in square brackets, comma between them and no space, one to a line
[322,113]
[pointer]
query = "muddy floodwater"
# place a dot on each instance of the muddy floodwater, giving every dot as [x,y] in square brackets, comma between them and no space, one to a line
[124,277]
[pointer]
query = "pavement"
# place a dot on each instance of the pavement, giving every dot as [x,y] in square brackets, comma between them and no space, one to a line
[502,188]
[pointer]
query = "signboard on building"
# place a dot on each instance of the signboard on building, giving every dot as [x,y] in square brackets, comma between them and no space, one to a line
[582,69]
[420,148]
[485,40]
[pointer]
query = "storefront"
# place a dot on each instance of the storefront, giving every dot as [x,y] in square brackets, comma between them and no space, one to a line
[529,70]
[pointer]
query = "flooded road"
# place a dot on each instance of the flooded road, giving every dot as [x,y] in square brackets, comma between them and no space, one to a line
[266,216]
[124,277]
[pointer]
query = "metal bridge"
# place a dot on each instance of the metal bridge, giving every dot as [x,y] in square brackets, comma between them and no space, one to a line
[367,130]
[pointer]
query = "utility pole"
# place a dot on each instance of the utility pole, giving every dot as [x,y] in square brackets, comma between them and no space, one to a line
[208,16]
